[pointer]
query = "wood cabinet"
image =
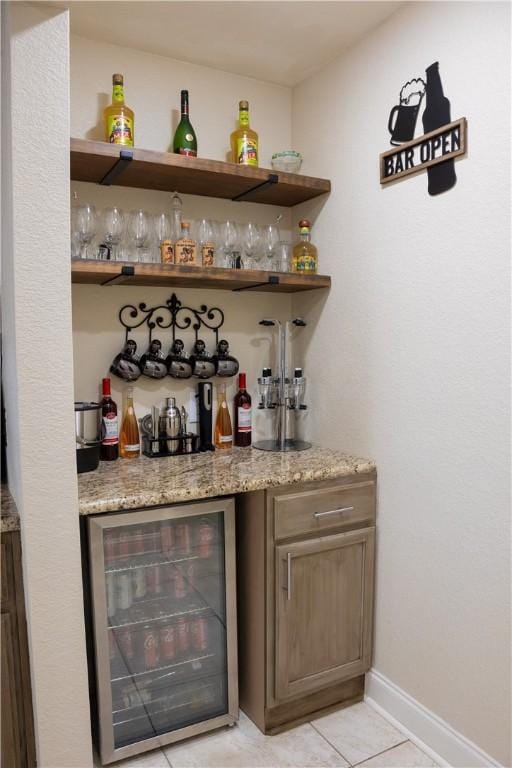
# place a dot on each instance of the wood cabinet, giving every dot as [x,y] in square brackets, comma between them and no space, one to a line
[305,591]
[17,750]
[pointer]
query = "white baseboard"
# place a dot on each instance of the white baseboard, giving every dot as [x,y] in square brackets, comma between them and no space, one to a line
[429,732]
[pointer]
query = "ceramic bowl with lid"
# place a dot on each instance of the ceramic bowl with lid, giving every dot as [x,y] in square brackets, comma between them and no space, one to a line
[288,161]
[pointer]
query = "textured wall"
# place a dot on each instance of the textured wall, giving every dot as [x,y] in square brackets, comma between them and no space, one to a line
[410,352]
[38,374]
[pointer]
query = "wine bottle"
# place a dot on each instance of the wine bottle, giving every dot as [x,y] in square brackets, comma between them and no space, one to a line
[129,439]
[243,414]
[185,142]
[244,141]
[223,430]
[109,448]
[119,119]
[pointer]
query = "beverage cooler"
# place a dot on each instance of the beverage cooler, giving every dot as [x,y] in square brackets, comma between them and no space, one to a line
[164,624]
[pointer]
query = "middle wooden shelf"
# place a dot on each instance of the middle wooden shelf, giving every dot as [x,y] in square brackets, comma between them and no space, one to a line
[93,272]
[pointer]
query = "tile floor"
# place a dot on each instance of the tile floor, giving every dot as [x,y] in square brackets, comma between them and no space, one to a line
[353,736]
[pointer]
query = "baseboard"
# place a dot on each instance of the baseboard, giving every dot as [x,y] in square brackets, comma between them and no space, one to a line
[429,732]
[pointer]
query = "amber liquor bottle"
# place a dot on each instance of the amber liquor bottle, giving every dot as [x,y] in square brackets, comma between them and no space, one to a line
[109,448]
[243,414]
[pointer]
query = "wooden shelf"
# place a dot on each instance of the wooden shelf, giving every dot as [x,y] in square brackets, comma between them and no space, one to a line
[94,161]
[94,272]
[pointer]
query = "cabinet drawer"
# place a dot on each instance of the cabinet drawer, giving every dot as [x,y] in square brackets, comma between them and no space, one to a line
[320,509]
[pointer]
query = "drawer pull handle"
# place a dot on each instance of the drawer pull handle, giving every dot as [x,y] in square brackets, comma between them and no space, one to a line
[334,511]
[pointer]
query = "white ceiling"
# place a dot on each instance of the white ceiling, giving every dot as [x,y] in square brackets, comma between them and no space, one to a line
[279,42]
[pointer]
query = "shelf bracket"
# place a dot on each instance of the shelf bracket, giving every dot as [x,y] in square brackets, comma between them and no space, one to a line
[125,273]
[272,280]
[125,157]
[273,178]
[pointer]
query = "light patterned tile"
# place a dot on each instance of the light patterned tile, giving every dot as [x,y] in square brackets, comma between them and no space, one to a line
[358,732]
[244,746]
[153,759]
[405,756]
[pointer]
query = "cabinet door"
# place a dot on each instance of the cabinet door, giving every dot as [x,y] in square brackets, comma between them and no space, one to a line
[324,599]
[10,754]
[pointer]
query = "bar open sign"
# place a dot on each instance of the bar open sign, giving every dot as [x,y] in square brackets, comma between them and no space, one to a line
[444,143]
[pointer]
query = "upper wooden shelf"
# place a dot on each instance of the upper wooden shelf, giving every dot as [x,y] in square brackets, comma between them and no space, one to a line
[95,272]
[99,162]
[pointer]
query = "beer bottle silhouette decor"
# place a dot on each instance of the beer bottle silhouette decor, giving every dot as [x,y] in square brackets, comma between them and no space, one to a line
[441,177]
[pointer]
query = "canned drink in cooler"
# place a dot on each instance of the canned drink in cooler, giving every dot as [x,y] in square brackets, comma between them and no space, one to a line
[199,633]
[126,643]
[137,542]
[180,585]
[109,547]
[124,544]
[124,591]
[168,642]
[154,584]
[151,649]
[139,583]
[167,538]
[191,576]
[183,635]
[183,539]
[112,647]
[111,594]
[205,539]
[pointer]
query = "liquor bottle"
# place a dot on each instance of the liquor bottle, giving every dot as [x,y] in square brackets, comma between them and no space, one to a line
[129,440]
[119,119]
[305,255]
[441,177]
[244,141]
[109,448]
[185,142]
[185,249]
[223,429]
[243,414]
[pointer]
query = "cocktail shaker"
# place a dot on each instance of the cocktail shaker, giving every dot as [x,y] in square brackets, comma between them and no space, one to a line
[170,425]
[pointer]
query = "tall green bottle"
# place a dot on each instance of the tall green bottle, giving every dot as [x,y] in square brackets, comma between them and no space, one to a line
[185,142]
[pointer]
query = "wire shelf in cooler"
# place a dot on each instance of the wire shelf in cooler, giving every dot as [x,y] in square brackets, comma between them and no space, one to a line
[155,670]
[175,614]
[149,563]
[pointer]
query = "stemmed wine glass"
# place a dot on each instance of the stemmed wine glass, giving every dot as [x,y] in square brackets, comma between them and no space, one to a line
[271,238]
[206,242]
[138,227]
[164,231]
[112,222]
[229,240]
[251,239]
[86,222]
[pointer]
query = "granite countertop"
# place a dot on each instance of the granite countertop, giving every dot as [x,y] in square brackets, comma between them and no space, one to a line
[9,518]
[145,482]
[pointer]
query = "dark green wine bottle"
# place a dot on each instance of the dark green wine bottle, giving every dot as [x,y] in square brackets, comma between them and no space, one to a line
[185,142]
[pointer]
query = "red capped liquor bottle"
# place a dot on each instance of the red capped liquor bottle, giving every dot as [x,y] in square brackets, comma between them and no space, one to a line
[109,449]
[243,414]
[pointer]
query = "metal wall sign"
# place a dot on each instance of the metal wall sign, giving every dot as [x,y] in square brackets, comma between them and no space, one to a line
[433,151]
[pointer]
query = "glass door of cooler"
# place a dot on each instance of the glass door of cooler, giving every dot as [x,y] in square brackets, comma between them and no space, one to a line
[164,610]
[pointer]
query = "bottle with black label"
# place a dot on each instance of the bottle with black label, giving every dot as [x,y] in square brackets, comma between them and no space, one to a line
[243,414]
[109,448]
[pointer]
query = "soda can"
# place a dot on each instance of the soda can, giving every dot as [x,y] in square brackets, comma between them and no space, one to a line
[150,644]
[124,591]
[151,539]
[168,642]
[167,538]
[180,585]
[126,643]
[124,544]
[191,576]
[139,583]
[183,539]
[183,635]
[205,540]
[199,634]
[137,542]
[154,580]
[112,647]
[111,594]
[109,547]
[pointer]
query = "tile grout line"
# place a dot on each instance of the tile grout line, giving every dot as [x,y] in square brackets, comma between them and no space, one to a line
[331,745]
[381,753]
[167,759]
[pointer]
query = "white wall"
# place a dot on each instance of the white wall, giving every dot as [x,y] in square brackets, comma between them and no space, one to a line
[36,322]
[409,359]
[152,85]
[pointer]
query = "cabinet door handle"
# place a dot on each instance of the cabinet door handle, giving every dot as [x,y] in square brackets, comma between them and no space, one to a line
[289,576]
[334,511]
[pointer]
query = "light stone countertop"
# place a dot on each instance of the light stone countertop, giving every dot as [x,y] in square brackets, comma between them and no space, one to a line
[145,482]
[9,518]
